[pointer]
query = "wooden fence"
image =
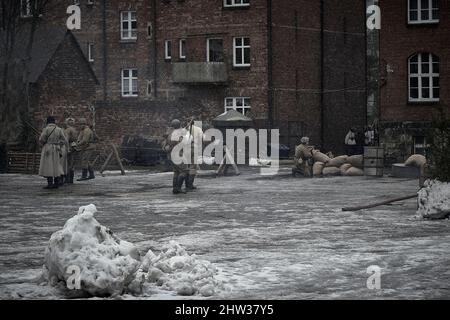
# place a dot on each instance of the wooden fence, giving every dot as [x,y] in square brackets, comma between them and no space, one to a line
[19,162]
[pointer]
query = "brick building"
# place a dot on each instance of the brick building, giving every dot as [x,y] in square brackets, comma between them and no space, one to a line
[60,80]
[294,65]
[415,72]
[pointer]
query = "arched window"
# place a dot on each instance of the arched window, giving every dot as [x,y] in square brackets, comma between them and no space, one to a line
[423,11]
[423,77]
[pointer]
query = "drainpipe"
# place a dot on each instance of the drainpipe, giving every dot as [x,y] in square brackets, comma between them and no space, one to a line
[155,48]
[322,75]
[105,53]
[269,65]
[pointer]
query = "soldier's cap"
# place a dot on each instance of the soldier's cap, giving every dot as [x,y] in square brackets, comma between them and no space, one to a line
[175,123]
[82,121]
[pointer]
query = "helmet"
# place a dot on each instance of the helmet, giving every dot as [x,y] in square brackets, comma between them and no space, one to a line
[82,121]
[176,124]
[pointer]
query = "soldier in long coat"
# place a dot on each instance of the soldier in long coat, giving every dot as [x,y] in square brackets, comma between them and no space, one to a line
[86,146]
[52,139]
[72,136]
[175,135]
[303,158]
[196,141]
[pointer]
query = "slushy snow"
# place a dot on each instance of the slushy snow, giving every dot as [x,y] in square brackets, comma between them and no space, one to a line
[175,270]
[434,200]
[110,266]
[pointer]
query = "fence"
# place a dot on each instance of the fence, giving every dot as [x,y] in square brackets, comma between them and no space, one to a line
[18,162]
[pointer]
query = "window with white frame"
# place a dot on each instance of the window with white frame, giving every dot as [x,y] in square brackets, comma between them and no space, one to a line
[423,77]
[129,83]
[91,52]
[240,104]
[168,49]
[236,3]
[214,50]
[182,47]
[128,25]
[241,49]
[25,8]
[423,11]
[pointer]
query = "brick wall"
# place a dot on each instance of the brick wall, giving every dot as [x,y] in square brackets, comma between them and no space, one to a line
[66,88]
[398,41]
[344,71]
[296,64]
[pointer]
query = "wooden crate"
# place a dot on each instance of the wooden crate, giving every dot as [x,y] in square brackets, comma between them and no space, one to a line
[21,162]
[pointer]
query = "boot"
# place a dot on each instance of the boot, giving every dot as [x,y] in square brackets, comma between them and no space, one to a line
[62,180]
[56,182]
[91,174]
[70,177]
[83,175]
[178,184]
[49,183]
[190,182]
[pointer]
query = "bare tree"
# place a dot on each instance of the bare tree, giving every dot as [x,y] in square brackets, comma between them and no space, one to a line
[16,16]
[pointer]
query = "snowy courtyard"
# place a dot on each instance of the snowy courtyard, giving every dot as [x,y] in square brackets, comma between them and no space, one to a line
[269,237]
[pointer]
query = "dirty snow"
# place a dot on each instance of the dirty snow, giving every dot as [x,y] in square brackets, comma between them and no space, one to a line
[434,200]
[268,237]
[110,266]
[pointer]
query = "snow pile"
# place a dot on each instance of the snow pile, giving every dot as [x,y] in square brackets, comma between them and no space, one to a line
[106,264]
[255,162]
[434,200]
[89,259]
[175,270]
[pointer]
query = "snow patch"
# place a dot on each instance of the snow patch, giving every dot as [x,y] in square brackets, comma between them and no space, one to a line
[175,270]
[109,266]
[434,200]
[106,263]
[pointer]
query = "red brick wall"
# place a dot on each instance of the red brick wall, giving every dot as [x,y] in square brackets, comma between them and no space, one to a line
[296,63]
[296,69]
[398,42]
[344,71]
[66,88]
[196,21]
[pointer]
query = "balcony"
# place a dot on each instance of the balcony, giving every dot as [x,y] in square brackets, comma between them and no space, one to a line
[200,73]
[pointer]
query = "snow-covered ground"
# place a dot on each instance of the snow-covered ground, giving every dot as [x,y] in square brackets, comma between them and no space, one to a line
[279,237]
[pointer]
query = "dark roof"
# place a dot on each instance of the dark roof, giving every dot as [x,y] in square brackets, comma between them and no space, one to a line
[47,39]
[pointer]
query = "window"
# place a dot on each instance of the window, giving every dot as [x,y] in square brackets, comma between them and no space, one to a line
[214,50]
[423,11]
[236,3]
[423,77]
[25,8]
[420,145]
[182,49]
[129,83]
[91,52]
[168,50]
[149,30]
[241,48]
[240,104]
[129,25]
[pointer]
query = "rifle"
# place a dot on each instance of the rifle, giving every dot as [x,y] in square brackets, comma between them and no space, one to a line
[32,128]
